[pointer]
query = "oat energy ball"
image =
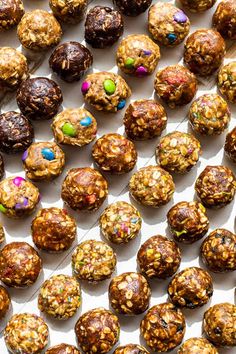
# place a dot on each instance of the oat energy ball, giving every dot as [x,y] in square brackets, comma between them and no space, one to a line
[120,222]
[2,170]
[5,302]
[137,55]
[144,119]
[132,7]
[106,91]
[13,68]
[11,12]
[197,346]
[227,81]
[26,333]
[159,257]
[70,61]
[218,251]
[129,293]
[167,24]
[114,153]
[216,186]
[178,152]
[63,349]
[84,189]
[224,19]
[230,145]
[188,221]
[68,11]
[39,30]
[2,234]
[198,6]
[219,324]
[18,197]
[209,114]
[20,265]
[152,186]
[93,261]
[103,27]
[53,230]
[131,349]
[163,327]
[175,85]
[60,296]
[204,51]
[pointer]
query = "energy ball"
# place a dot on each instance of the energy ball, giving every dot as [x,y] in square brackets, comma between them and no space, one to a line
[68,11]
[209,114]
[2,234]
[53,230]
[226,81]
[5,302]
[93,261]
[191,288]
[84,189]
[13,68]
[114,153]
[152,186]
[20,265]
[120,222]
[132,7]
[159,257]
[163,327]
[178,152]
[198,6]
[18,197]
[131,349]
[218,251]
[216,186]
[197,346]
[97,331]
[224,19]
[2,170]
[11,12]
[26,333]
[103,27]
[63,349]
[137,55]
[188,221]
[167,24]
[70,61]
[175,85]
[106,91]
[203,59]
[144,119]
[60,297]
[39,30]
[219,324]
[230,145]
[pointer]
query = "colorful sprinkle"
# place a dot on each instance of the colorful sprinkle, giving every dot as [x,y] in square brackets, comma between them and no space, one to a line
[2,208]
[129,63]
[134,220]
[121,104]
[141,71]
[25,155]
[48,154]
[171,37]
[18,180]
[147,52]
[69,129]
[109,86]
[85,87]
[180,17]
[85,122]
[22,204]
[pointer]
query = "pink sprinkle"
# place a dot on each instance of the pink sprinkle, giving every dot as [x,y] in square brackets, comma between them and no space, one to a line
[18,180]
[85,87]
[141,71]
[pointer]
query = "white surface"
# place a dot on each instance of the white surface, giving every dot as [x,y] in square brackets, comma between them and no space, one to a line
[154,220]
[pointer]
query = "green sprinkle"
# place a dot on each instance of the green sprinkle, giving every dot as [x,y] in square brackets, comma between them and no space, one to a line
[2,208]
[109,86]
[68,129]
[129,63]
[179,233]
[81,263]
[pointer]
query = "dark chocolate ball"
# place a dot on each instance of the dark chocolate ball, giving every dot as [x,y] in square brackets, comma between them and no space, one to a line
[2,171]
[132,7]
[70,61]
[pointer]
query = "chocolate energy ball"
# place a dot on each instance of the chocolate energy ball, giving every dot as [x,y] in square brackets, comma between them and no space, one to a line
[16,133]
[175,85]
[197,346]
[198,6]
[70,61]
[132,7]
[53,230]
[230,145]
[2,234]
[216,186]
[63,349]
[191,288]
[5,302]
[218,251]
[137,55]
[11,12]
[159,257]
[188,221]
[106,91]
[26,333]
[167,24]
[224,19]
[131,349]
[13,68]
[39,98]
[209,114]
[18,197]
[60,296]
[178,152]
[68,11]
[2,170]
[93,261]
[39,30]
[120,222]
[227,81]
[103,27]
[20,265]
[114,153]
[144,119]
[129,293]
[204,59]
[219,324]
[84,189]
[163,327]
[152,186]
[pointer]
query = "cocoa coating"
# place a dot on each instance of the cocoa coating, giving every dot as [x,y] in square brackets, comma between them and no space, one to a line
[5,302]
[230,145]
[2,170]
[131,349]
[132,7]
[63,349]
[197,346]
[224,19]
[198,5]
[68,11]
[11,12]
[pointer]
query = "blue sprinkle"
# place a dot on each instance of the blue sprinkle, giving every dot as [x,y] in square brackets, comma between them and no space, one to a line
[171,37]
[134,220]
[121,104]
[85,122]
[48,154]
[25,155]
